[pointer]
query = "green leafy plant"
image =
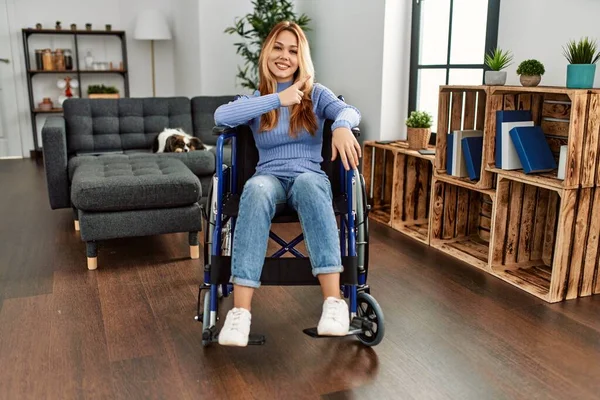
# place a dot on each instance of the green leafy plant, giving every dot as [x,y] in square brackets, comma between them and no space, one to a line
[419,119]
[254,29]
[582,52]
[531,67]
[95,89]
[498,59]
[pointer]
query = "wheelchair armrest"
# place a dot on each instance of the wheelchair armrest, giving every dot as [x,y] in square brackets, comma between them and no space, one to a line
[221,129]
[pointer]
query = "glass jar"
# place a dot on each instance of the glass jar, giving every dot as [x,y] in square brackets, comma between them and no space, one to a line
[47,60]
[39,59]
[59,60]
[68,59]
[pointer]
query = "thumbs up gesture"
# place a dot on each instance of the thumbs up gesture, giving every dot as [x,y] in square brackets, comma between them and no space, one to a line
[293,94]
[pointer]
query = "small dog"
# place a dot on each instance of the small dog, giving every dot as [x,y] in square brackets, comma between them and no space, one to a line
[176,141]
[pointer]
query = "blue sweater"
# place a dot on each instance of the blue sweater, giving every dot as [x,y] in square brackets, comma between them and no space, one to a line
[279,153]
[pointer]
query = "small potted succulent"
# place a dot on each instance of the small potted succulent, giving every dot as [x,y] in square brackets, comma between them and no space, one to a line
[38,26]
[108,27]
[58,26]
[530,72]
[73,27]
[496,61]
[418,129]
[582,57]
[88,26]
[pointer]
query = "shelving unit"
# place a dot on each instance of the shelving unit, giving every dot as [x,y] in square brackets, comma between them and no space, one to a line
[536,232]
[77,71]
[400,180]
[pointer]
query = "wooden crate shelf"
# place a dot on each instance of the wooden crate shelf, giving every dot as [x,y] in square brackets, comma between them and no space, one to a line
[546,242]
[461,222]
[398,185]
[567,116]
[461,108]
[534,231]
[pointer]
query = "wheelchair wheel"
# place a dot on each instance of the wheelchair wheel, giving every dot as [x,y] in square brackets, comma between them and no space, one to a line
[206,317]
[374,328]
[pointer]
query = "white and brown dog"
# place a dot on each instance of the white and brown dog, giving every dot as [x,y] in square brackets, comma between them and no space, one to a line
[176,141]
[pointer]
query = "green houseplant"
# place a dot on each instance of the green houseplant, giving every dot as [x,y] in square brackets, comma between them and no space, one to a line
[418,129]
[496,60]
[530,72]
[253,29]
[102,92]
[582,57]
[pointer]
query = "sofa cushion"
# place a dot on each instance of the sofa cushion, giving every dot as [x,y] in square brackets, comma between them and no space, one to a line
[116,183]
[200,162]
[122,124]
[203,112]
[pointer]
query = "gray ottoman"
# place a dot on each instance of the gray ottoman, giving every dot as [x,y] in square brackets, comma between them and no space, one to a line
[125,197]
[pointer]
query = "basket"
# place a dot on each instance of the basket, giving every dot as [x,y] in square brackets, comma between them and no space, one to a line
[418,138]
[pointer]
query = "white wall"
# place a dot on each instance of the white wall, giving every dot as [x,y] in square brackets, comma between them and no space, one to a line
[542,38]
[395,78]
[121,14]
[347,48]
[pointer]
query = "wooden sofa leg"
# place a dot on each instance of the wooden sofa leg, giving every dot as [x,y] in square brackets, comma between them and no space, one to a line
[76,219]
[194,246]
[92,255]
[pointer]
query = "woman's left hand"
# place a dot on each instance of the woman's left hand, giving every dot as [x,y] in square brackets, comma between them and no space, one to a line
[344,143]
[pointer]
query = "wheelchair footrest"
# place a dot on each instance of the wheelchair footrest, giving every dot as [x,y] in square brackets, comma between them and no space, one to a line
[356,327]
[254,339]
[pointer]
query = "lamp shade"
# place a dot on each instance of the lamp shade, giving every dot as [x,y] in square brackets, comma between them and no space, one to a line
[151,25]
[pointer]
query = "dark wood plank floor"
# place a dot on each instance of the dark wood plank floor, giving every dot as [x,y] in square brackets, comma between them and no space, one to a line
[126,331]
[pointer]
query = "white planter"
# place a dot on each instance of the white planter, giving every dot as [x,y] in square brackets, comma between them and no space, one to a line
[495,78]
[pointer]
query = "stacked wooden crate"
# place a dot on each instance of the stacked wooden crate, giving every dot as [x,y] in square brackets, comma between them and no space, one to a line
[536,231]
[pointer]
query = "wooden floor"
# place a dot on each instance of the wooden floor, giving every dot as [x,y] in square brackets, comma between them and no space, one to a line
[127,330]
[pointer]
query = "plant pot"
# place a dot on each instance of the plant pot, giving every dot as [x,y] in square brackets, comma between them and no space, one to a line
[73,27]
[108,27]
[530,80]
[418,138]
[581,76]
[103,96]
[495,78]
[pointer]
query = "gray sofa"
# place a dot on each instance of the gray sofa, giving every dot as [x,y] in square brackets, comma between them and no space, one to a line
[98,161]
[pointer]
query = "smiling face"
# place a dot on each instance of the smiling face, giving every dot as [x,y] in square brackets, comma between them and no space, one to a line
[283,59]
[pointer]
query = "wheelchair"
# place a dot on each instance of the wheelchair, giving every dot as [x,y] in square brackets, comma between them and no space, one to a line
[220,212]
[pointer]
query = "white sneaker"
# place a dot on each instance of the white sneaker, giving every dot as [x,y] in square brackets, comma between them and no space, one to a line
[335,320]
[236,328]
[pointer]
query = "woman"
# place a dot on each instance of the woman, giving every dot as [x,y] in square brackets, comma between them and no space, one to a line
[286,115]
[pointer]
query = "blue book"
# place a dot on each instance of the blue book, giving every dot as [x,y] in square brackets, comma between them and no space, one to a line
[533,149]
[507,116]
[449,152]
[472,148]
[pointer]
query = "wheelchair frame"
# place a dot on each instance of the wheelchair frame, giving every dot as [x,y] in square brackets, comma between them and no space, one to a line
[367,321]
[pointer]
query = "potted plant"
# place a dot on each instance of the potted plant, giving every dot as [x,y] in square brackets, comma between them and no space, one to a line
[108,27]
[582,57]
[266,14]
[58,26]
[418,129]
[496,61]
[88,26]
[530,72]
[38,26]
[102,92]
[73,27]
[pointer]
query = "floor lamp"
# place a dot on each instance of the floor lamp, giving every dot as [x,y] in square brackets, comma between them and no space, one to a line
[152,25]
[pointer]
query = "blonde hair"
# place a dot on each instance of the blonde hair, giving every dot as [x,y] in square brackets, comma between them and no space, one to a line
[302,115]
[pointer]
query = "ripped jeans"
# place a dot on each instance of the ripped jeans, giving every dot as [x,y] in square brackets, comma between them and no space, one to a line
[310,195]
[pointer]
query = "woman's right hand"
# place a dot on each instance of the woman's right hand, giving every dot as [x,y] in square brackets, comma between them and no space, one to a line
[293,94]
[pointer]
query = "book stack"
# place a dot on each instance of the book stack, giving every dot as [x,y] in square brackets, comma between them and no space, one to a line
[464,149]
[520,144]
